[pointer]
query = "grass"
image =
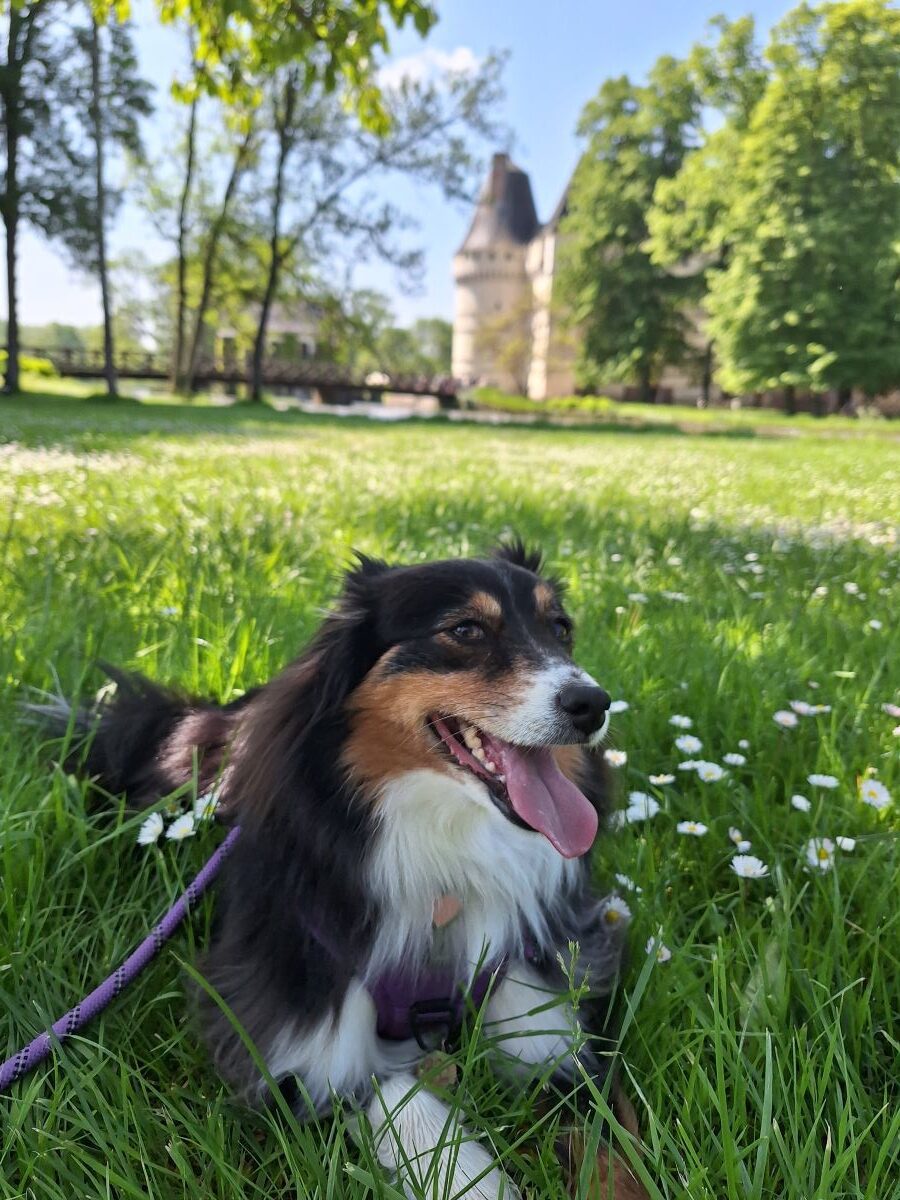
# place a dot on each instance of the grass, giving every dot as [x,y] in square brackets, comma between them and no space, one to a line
[200,547]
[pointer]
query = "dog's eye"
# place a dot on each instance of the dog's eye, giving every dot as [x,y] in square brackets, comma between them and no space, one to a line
[468,631]
[562,629]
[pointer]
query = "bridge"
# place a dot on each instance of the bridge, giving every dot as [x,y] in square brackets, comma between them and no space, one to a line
[334,383]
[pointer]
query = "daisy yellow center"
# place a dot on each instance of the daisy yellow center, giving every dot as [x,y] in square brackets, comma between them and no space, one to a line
[822,854]
[612,916]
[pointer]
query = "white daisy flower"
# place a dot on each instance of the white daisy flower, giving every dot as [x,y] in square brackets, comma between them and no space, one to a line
[680,597]
[752,556]
[637,597]
[748,866]
[821,590]
[205,806]
[628,883]
[689,764]
[181,828]
[616,758]
[693,828]
[709,772]
[681,722]
[618,706]
[743,744]
[614,911]
[800,803]
[661,780]
[787,720]
[735,834]
[816,710]
[659,948]
[874,793]
[851,588]
[150,830]
[734,760]
[688,744]
[846,843]
[674,561]
[641,807]
[824,781]
[875,624]
[801,707]
[820,853]
[892,710]
[896,731]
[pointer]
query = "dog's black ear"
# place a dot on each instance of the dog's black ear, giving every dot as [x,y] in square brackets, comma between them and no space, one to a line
[513,550]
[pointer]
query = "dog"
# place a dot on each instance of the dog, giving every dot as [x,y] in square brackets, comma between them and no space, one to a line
[418,795]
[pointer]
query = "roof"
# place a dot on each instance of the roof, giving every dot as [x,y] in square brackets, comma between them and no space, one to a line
[505,210]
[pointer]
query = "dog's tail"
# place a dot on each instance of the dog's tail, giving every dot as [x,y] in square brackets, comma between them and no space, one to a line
[141,739]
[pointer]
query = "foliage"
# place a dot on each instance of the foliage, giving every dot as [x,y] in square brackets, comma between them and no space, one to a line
[810,297]
[43,368]
[200,546]
[629,310]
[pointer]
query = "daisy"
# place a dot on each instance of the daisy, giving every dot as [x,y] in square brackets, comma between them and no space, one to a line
[628,883]
[816,710]
[614,910]
[800,803]
[743,744]
[801,707]
[787,720]
[616,758]
[681,722]
[825,781]
[657,947]
[637,597]
[183,827]
[693,828]
[615,558]
[149,832]
[846,843]
[709,772]
[892,710]
[739,840]
[820,853]
[821,590]
[896,731]
[874,793]
[679,596]
[752,556]
[748,866]
[734,760]
[688,744]
[641,807]
[618,706]
[661,780]
[851,588]
[689,764]
[205,806]
[875,624]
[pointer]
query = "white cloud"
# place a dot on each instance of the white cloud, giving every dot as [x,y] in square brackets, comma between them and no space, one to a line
[427,65]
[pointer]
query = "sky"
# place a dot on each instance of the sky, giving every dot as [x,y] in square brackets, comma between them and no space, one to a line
[560,53]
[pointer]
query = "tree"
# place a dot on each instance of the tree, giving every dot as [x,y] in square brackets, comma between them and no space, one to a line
[630,311]
[506,339]
[809,296]
[325,161]
[27,80]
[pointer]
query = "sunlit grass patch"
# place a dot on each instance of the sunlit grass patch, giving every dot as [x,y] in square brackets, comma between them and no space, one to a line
[715,583]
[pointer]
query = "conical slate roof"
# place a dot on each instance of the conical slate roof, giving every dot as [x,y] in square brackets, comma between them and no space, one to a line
[505,209]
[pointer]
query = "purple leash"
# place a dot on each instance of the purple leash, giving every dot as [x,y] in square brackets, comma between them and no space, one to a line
[37,1051]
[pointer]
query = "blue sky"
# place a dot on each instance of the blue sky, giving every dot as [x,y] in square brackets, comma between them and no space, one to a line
[560,54]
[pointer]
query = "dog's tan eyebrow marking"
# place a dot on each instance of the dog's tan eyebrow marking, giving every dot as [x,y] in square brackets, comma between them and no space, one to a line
[544,599]
[481,606]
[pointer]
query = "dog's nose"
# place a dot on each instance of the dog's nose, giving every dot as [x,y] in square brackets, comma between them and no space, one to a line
[585,704]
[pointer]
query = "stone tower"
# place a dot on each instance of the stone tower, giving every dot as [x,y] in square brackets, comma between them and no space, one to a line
[493,288]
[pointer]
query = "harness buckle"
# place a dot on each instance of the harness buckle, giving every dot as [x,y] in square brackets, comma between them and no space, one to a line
[429,1015]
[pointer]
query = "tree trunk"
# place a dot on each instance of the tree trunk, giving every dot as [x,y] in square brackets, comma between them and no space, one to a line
[646,392]
[284,122]
[209,260]
[790,399]
[707,374]
[109,366]
[11,77]
[181,313]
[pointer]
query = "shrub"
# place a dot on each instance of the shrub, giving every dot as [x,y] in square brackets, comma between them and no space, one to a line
[34,366]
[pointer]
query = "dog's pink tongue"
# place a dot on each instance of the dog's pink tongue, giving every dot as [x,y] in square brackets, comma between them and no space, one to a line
[546,800]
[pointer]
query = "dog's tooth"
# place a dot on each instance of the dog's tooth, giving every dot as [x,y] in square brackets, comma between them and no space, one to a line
[502,778]
[476,742]
[491,767]
[470,737]
[478,753]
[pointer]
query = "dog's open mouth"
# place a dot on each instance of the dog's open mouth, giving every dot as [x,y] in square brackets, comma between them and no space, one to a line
[525,783]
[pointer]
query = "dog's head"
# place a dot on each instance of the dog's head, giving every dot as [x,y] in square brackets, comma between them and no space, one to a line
[464,668]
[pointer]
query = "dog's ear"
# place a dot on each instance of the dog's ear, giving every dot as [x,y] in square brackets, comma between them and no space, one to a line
[347,645]
[513,550]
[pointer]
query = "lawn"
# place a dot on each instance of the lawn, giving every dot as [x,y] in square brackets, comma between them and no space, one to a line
[717,578]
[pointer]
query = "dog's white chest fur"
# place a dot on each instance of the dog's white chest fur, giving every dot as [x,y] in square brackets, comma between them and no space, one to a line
[441,836]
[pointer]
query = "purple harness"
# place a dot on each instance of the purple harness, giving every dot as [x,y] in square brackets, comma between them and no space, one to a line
[412,1004]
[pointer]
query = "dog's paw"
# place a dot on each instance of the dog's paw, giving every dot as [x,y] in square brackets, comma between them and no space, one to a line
[418,1139]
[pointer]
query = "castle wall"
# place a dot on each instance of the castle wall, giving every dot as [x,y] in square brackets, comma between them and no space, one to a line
[492,287]
[552,370]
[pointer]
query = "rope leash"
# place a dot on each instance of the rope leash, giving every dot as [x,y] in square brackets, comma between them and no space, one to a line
[93,1004]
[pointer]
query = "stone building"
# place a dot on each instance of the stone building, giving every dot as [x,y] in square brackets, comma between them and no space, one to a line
[505,331]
